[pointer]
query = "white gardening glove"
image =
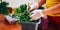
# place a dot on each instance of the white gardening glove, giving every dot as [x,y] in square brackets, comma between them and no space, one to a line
[33,6]
[10,19]
[36,14]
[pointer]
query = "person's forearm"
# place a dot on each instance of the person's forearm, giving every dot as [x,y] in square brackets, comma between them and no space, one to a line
[41,2]
[51,10]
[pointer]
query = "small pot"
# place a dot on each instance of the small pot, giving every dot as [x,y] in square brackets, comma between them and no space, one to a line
[30,25]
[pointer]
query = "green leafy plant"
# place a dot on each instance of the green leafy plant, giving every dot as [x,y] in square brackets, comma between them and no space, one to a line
[25,17]
[17,15]
[22,14]
[23,7]
[3,8]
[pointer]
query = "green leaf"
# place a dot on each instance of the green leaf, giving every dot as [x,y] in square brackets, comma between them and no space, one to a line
[3,8]
[22,14]
[17,10]
[23,7]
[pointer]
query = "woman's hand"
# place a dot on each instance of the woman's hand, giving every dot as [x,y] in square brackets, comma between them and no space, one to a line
[36,14]
[32,7]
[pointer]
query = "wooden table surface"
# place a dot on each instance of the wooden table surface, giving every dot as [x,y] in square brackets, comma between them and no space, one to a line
[7,26]
[4,25]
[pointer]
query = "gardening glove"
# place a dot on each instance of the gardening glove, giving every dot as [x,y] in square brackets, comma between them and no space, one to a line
[33,6]
[36,14]
[10,19]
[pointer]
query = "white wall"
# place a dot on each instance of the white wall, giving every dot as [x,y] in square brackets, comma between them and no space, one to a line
[17,3]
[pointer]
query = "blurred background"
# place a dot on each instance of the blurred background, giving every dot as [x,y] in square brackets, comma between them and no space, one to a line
[17,3]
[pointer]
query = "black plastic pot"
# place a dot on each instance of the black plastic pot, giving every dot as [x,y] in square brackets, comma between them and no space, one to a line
[30,25]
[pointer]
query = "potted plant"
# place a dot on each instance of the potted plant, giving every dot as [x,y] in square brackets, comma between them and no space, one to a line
[3,9]
[23,17]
